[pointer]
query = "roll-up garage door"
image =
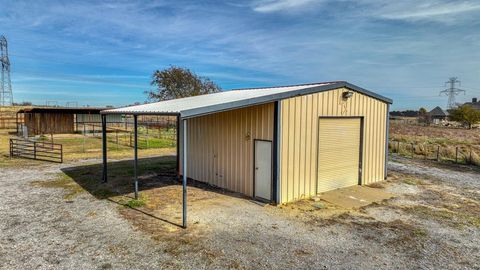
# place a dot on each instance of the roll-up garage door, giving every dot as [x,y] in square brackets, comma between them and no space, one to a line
[338,153]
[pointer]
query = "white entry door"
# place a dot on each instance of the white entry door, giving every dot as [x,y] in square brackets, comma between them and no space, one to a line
[263,170]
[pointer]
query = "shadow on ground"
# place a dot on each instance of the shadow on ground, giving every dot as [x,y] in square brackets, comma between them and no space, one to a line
[159,190]
[153,172]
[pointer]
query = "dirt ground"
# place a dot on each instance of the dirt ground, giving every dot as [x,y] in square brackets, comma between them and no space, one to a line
[59,217]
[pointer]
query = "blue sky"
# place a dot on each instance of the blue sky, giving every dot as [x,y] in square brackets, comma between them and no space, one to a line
[103,53]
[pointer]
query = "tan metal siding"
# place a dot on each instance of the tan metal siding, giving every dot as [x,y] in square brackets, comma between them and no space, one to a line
[298,181]
[220,146]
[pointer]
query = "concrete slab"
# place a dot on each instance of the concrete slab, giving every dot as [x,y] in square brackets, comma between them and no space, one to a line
[355,196]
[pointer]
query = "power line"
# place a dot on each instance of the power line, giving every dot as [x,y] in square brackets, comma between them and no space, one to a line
[6,96]
[452,91]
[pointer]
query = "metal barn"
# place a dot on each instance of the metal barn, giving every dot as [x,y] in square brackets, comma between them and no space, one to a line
[278,144]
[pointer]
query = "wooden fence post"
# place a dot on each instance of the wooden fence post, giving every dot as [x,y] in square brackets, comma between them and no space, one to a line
[84,138]
[116,137]
[438,152]
[456,154]
[147,138]
[413,150]
[398,147]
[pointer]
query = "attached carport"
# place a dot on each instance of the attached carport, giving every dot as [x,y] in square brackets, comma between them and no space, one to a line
[259,141]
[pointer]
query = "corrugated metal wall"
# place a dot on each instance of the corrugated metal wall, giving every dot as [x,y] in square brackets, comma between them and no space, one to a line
[96,118]
[299,137]
[220,146]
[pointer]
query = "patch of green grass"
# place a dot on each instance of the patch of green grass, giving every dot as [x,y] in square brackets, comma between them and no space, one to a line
[135,203]
[156,143]
[65,182]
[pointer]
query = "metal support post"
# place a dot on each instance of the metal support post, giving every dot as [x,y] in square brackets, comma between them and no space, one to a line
[104,147]
[135,147]
[184,171]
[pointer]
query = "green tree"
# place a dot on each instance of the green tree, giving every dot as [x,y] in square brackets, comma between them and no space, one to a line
[177,82]
[422,111]
[423,116]
[466,115]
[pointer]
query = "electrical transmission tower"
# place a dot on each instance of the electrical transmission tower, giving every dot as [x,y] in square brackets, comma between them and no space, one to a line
[6,96]
[452,91]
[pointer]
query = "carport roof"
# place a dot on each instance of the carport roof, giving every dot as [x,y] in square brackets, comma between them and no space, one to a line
[232,99]
[66,110]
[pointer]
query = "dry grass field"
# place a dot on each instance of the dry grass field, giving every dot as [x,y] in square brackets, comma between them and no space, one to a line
[434,134]
[427,138]
[8,116]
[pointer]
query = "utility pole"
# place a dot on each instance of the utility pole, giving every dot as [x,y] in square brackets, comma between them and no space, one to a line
[452,91]
[6,96]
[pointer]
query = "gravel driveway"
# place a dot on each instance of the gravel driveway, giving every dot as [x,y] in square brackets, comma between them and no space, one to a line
[427,225]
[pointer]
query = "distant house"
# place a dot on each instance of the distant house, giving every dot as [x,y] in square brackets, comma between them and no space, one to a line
[437,115]
[475,104]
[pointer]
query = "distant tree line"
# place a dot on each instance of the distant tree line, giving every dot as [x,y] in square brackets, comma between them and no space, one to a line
[407,113]
[24,103]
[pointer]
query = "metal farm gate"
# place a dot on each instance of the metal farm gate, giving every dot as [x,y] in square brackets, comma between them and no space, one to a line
[46,151]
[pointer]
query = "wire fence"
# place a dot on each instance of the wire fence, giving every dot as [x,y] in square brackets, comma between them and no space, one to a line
[459,154]
[147,137]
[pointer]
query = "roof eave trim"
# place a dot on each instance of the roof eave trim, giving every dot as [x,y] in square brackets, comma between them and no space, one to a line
[141,113]
[368,93]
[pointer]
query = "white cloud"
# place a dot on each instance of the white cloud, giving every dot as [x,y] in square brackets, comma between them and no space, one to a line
[407,10]
[426,10]
[266,6]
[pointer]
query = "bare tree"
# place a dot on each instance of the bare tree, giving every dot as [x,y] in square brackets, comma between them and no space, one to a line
[177,82]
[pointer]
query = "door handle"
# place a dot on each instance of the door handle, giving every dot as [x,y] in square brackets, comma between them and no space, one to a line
[256,168]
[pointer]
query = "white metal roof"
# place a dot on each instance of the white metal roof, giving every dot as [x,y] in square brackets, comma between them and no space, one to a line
[231,99]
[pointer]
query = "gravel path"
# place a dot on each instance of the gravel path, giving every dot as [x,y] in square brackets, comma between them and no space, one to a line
[463,179]
[42,230]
